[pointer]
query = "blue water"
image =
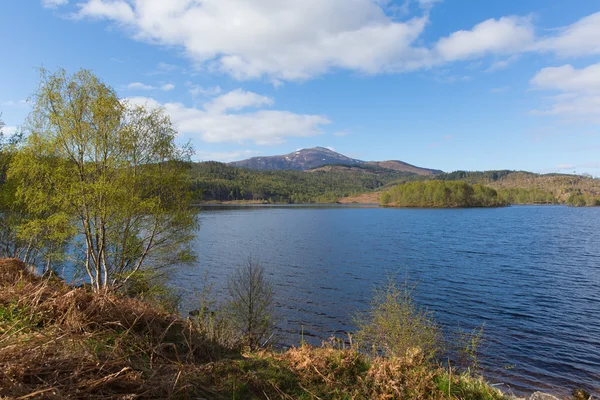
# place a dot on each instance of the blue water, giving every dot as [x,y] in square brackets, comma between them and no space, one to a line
[531,274]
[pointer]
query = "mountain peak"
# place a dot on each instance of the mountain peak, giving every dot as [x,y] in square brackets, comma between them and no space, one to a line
[326,149]
[314,157]
[319,149]
[301,159]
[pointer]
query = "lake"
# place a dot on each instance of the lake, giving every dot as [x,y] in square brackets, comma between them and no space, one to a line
[531,274]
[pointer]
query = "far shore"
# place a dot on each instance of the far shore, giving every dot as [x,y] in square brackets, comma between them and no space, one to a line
[267,204]
[370,199]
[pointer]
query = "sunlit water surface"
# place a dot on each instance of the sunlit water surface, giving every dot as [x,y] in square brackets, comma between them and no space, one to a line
[531,274]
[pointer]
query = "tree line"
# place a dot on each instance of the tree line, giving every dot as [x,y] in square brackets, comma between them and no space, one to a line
[438,194]
[521,187]
[214,181]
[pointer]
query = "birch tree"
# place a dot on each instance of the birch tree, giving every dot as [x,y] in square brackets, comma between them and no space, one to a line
[113,171]
[252,303]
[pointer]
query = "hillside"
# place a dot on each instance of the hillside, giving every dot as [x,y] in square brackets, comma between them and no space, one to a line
[402,166]
[212,181]
[307,159]
[565,189]
[363,183]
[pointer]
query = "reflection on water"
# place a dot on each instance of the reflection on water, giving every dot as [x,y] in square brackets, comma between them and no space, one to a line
[531,274]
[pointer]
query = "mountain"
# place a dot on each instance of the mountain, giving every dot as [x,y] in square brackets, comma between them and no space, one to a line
[300,160]
[307,159]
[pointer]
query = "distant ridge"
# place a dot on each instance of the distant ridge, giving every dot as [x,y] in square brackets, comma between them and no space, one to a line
[405,167]
[306,159]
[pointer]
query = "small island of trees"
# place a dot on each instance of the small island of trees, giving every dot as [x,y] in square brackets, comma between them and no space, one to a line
[441,194]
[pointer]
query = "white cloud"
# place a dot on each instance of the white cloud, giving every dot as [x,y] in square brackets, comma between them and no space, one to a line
[118,10]
[54,3]
[580,90]
[502,64]
[236,100]
[568,79]
[579,39]
[196,90]
[504,36]
[220,119]
[573,105]
[301,39]
[167,87]
[139,86]
[253,39]
[330,148]
[142,86]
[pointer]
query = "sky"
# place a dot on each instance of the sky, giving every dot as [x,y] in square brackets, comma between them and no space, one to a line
[445,84]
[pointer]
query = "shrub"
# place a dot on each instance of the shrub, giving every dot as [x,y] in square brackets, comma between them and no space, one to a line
[251,307]
[213,320]
[395,327]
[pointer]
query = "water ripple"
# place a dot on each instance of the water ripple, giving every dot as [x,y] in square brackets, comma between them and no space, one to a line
[531,274]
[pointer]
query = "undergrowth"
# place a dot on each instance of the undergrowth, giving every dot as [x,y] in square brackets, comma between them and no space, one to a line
[58,342]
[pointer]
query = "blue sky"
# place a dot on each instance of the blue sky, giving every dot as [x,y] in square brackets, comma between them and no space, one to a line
[448,84]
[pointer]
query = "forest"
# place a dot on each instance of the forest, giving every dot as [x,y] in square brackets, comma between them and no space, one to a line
[218,182]
[441,194]
[213,181]
[521,187]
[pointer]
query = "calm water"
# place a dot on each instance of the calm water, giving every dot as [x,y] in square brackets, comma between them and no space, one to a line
[531,274]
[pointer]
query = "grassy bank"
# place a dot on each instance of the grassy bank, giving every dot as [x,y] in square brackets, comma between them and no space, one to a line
[58,341]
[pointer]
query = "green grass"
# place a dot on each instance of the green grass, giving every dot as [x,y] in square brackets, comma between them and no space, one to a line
[465,386]
[17,319]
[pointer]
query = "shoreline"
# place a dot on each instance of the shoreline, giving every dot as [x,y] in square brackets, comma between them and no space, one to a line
[110,329]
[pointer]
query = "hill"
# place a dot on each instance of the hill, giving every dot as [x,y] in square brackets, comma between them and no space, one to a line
[363,183]
[520,187]
[307,159]
[405,167]
[513,187]
[441,194]
[213,181]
